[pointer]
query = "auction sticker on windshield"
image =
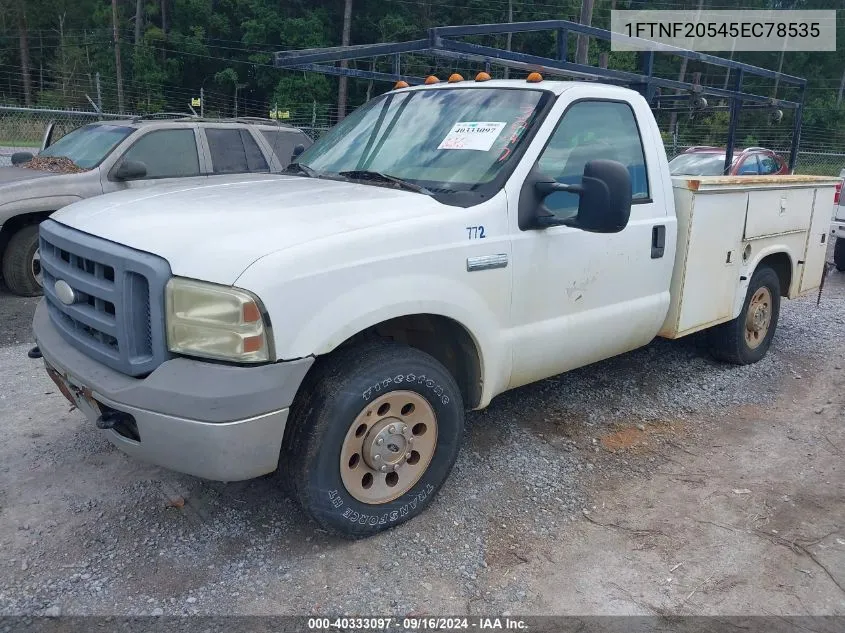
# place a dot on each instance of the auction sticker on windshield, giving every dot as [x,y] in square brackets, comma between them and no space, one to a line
[477,135]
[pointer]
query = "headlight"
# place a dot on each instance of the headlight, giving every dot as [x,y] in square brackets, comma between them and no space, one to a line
[215,321]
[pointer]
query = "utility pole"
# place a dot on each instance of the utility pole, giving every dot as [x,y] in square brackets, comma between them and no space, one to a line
[118,71]
[841,89]
[584,40]
[342,84]
[510,36]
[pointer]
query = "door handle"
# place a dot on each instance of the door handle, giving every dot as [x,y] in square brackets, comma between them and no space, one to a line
[658,241]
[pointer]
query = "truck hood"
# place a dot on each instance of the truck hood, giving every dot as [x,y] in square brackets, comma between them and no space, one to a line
[215,231]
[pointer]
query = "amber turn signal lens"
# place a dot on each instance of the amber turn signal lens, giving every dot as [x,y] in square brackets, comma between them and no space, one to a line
[534,78]
[400,84]
[455,78]
[431,79]
[253,344]
[482,76]
[251,313]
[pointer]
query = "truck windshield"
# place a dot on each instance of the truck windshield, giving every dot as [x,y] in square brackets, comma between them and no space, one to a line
[87,146]
[445,140]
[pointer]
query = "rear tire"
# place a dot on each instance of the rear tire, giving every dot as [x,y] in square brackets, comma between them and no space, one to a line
[747,338]
[19,262]
[373,435]
[839,254]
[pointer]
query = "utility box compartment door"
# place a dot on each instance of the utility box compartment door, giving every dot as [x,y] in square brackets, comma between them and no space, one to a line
[712,262]
[815,253]
[707,260]
[778,211]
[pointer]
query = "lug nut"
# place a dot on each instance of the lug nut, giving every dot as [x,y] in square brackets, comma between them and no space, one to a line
[410,440]
[383,469]
[404,428]
[407,456]
[392,428]
[380,441]
[376,457]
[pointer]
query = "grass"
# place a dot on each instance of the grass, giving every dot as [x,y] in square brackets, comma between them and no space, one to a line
[18,143]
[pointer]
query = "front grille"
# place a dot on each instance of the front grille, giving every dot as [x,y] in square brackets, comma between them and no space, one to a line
[117,315]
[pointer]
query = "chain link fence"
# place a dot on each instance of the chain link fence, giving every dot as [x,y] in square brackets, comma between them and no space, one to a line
[22,129]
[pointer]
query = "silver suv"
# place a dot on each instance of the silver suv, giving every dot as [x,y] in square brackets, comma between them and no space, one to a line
[112,156]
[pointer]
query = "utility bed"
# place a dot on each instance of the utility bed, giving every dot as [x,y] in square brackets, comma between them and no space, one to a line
[726,225]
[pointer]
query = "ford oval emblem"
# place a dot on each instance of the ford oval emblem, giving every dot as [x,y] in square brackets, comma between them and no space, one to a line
[64,292]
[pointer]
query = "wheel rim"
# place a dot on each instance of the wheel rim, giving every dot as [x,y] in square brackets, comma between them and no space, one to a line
[758,318]
[36,267]
[388,447]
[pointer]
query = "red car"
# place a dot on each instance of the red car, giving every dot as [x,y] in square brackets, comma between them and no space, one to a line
[710,161]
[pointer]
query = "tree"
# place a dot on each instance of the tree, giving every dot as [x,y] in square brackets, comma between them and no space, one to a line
[342,83]
[23,35]
[139,20]
[117,64]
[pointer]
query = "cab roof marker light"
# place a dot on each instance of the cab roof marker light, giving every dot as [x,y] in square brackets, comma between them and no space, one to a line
[455,78]
[482,76]
[431,79]
[534,78]
[400,84]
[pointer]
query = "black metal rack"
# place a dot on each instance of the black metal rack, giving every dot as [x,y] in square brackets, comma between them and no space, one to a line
[445,42]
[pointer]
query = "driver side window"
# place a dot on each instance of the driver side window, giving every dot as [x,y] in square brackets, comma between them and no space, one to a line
[588,131]
[167,153]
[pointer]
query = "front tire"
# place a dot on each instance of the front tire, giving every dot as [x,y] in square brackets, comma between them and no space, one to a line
[839,254]
[21,263]
[747,338]
[373,435]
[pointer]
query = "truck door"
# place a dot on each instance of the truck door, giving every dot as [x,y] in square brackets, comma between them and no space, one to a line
[579,297]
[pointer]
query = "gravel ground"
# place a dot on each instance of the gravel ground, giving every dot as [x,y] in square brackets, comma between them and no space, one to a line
[86,530]
[16,317]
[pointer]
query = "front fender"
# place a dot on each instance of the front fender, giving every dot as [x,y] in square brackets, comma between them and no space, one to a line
[39,204]
[308,320]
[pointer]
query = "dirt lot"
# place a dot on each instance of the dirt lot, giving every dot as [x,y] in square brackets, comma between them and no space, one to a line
[658,482]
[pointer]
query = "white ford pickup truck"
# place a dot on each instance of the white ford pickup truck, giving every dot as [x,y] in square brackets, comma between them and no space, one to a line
[441,245]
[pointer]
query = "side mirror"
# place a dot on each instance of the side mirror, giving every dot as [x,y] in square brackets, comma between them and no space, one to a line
[130,170]
[298,150]
[605,204]
[19,158]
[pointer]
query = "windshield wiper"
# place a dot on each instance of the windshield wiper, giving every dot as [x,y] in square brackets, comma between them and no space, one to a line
[366,174]
[299,168]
